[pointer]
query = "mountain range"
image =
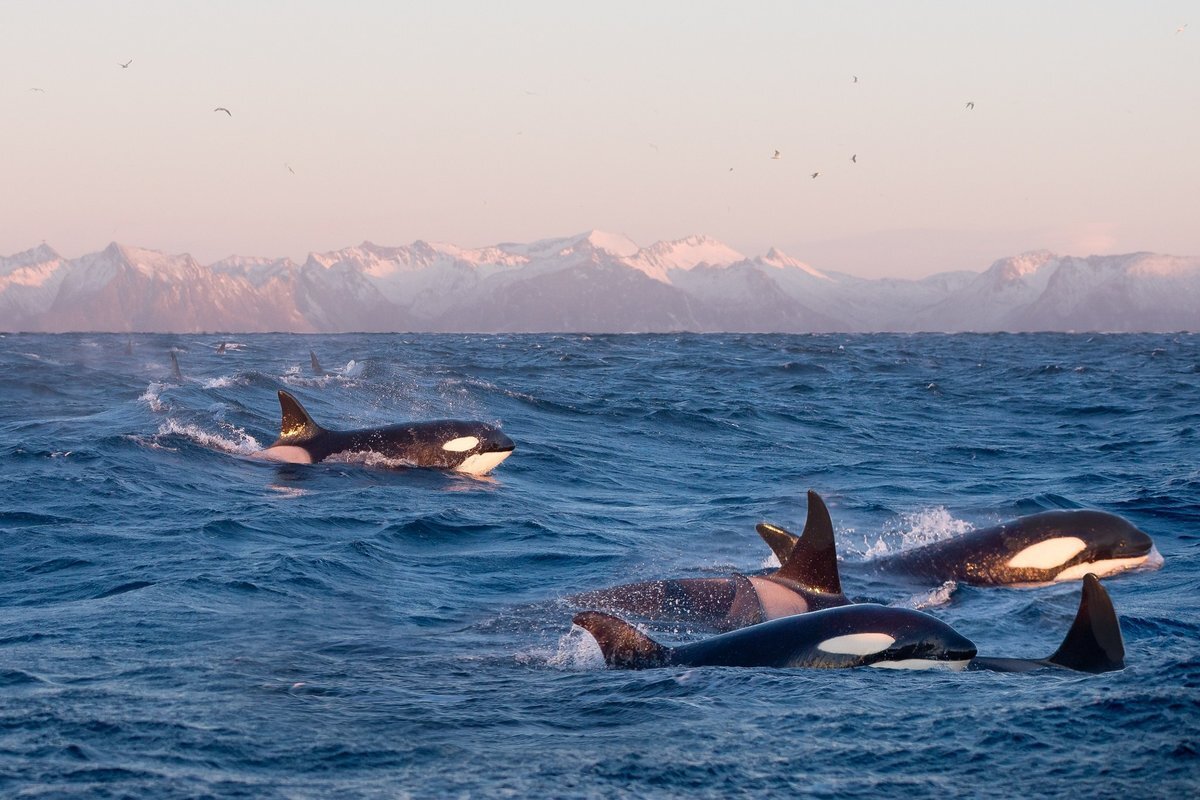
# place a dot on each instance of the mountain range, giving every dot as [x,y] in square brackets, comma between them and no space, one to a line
[594,282]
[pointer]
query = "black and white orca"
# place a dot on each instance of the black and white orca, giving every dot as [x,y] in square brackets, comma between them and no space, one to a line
[857,635]
[863,634]
[1047,547]
[471,447]
[807,580]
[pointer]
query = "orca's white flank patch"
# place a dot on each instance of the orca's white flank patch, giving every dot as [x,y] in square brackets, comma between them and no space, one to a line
[461,444]
[1048,554]
[857,644]
[289,454]
[482,463]
[1102,568]
[922,663]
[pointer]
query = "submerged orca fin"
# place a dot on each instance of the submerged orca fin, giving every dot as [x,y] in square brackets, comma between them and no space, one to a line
[812,562]
[1093,644]
[175,366]
[316,365]
[221,347]
[297,426]
[623,645]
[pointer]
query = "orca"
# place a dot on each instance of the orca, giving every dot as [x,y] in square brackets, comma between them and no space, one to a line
[807,580]
[1047,547]
[221,348]
[316,365]
[865,634]
[857,635]
[175,366]
[1093,643]
[471,447]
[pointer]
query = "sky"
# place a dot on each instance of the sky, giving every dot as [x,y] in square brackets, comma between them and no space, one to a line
[483,122]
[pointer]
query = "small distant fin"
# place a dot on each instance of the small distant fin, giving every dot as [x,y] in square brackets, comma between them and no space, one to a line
[812,562]
[780,540]
[1093,643]
[297,425]
[316,365]
[129,346]
[175,365]
[623,645]
[221,347]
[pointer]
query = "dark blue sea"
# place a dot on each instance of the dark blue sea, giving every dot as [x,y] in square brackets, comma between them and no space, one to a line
[180,619]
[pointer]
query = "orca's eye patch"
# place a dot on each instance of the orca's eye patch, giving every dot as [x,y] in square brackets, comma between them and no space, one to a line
[461,444]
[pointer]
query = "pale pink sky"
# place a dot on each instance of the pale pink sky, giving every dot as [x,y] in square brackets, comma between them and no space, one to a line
[478,122]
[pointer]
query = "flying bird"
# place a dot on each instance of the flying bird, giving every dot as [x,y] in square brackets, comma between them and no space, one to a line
[815,174]
[1181,28]
[37,89]
[970,105]
[855,78]
[289,166]
[777,156]
[222,108]
[126,64]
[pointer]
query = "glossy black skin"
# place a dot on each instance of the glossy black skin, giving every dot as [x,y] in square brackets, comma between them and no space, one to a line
[980,556]
[791,641]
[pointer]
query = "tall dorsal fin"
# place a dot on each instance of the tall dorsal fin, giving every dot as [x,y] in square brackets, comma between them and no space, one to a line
[780,540]
[175,366]
[1093,644]
[812,562]
[623,645]
[297,425]
[316,365]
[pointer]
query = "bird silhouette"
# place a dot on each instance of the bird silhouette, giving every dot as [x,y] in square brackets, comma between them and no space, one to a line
[854,158]
[222,108]
[815,174]
[289,166]
[1181,28]
[855,78]
[37,89]
[970,105]
[777,156]
[126,64]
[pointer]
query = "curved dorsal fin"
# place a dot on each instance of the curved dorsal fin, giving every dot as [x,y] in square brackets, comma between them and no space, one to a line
[297,425]
[175,366]
[316,365]
[623,645]
[812,562]
[780,540]
[1093,644]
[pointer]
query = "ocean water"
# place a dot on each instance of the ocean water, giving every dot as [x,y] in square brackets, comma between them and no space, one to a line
[179,619]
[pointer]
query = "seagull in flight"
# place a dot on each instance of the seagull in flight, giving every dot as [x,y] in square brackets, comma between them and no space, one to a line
[126,64]
[854,158]
[815,174]
[855,78]
[777,156]
[1181,28]
[222,108]
[38,89]
[970,105]
[289,166]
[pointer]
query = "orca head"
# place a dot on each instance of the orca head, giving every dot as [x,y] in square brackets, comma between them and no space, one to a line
[893,638]
[1066,545]
[481,446]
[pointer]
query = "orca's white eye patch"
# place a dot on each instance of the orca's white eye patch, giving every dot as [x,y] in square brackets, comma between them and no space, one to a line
[857,644]
[1047,554]
[461,444]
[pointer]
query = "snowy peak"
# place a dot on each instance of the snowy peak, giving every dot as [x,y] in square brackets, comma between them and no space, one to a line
[661,258]
[781,260]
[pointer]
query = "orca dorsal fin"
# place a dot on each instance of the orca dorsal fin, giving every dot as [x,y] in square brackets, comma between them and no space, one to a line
[316,365]
[623,645]
[297,425]
[812,563]
[780,540]
[175,366]
[1093,644]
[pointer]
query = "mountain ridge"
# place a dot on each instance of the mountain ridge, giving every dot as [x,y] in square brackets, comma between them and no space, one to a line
[590,282]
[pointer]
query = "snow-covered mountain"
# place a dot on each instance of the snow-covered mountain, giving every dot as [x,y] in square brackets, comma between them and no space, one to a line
[596,282]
